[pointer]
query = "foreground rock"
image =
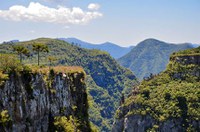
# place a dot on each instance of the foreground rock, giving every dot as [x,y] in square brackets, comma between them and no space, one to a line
[32,101]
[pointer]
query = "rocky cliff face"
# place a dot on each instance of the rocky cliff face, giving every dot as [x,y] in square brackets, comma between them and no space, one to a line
[142,123]
[168,102]
[34,99]
[185,59]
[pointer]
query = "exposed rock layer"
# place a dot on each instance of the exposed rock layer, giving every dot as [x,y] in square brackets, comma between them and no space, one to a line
[32,100]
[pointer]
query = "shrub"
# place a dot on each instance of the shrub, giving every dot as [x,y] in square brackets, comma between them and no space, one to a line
[9,62]
[62,123]
[3,77]
[4,118]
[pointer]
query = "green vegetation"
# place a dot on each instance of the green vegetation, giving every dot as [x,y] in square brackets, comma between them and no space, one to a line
[4,118]
[195,51]
[51,60]
[66,125]
[109,79]
[3,77]
[173,94]
[70,124]
[97,104]
[150,56]
[9,62]
[40,48]
[21,51]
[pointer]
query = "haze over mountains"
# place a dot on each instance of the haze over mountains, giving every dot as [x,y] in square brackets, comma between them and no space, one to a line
[115,50]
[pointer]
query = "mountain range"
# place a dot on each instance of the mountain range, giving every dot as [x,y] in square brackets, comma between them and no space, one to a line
[131,56]
[106,80]
[114,50]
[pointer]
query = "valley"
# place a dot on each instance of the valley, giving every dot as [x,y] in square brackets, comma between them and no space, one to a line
[105,79]
[99,66]
[105,82]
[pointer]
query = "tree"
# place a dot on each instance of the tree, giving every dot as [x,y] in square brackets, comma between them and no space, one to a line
[21,50]
[51,60]
[40,48]
[122,99]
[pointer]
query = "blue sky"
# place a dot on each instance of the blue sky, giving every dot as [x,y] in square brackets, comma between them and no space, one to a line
[124,22]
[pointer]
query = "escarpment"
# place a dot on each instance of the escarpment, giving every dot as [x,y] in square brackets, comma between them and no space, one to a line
[165,102]
[37,101]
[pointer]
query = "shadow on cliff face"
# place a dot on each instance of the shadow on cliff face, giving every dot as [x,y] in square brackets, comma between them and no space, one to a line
[34,100]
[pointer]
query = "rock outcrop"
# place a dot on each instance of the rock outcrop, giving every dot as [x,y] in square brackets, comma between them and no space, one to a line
[143,123]
[186,59]
[32,100]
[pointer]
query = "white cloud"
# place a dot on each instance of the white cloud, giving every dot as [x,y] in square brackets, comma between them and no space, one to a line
[40,13]
[93,6]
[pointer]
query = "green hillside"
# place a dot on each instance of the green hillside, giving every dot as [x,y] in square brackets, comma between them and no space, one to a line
[106,78]
[150,56]
[173,95]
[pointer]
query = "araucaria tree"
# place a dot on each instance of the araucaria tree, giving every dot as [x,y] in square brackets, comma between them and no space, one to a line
[21,50]
[40,48]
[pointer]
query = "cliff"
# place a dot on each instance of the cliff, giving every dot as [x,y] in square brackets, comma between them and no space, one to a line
[165,102]
[43,100]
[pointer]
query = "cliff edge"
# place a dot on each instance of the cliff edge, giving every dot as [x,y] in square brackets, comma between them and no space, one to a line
[44,100]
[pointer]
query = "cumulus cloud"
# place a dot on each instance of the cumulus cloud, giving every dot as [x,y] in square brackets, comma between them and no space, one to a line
[93,6]
[40,13]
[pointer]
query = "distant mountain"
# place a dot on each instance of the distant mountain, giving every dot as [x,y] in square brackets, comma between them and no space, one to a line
[150,56]
[11,41]
[113,49]
[195,45]
[14,41]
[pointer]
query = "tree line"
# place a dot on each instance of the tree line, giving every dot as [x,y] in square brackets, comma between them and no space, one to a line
[38,48]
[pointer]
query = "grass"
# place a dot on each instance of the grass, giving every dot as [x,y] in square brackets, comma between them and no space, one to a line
[57,69]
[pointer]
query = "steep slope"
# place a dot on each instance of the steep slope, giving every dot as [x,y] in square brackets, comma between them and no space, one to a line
[167,102]
[114,50]
[150,56]
[40,100]
[108,77]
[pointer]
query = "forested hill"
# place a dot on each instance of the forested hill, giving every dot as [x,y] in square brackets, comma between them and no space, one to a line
[167,102]
[106,78]
[150,56]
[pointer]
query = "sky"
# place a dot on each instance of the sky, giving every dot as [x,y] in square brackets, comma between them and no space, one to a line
[124,22]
